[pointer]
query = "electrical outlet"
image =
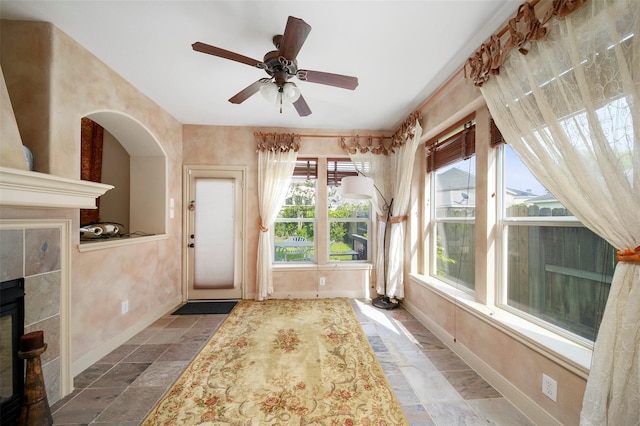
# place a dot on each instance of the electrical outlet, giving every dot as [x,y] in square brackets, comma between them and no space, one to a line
[125,307]
[322,281]
[549,387]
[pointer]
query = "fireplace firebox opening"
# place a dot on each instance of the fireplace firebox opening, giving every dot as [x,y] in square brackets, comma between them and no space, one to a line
[11,366]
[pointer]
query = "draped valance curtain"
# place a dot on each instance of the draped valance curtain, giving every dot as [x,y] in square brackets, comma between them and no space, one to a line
[277,155]
[390,164]
[569,106]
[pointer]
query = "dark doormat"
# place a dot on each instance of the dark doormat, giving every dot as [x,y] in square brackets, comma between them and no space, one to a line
[201,308]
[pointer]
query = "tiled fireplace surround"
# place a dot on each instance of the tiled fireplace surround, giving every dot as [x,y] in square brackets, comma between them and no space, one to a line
[34,249]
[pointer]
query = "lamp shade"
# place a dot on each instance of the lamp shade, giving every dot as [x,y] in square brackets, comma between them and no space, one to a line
[358,187]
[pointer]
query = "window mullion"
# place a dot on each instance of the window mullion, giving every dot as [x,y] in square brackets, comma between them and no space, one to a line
[322,216]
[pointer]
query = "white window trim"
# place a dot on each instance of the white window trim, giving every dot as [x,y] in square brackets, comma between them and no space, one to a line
[501,285]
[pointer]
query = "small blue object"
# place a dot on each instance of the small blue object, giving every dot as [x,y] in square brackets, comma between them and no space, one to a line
[28,156]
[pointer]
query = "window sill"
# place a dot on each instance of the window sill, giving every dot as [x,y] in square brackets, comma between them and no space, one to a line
[119,242]
[569,354]
[324,267]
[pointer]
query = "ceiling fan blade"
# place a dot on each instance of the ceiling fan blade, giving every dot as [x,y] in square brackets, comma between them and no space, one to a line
[337,80]
[301,106]
[246,93]
[295,33]
[216,51]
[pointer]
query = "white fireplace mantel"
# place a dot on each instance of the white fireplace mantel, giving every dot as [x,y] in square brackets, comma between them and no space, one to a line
[21,188]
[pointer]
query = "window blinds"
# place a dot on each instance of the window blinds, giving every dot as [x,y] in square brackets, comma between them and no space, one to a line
[447,150]
[305,169]
[495,136]
[338,168]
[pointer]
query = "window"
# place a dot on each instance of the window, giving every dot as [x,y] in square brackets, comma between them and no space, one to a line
[344,224]
[451,161]
[540,263]
[349,220]
[294,228]
[555,270]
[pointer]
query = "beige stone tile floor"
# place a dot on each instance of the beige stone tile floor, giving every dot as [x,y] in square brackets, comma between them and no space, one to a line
[433,385]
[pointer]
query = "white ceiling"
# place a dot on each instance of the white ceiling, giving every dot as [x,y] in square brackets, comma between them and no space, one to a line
[401,51]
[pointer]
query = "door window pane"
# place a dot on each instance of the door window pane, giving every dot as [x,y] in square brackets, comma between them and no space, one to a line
[214,230]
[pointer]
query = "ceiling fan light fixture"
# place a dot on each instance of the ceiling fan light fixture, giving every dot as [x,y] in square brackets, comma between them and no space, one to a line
[290,93]
[269,91]
[286,94]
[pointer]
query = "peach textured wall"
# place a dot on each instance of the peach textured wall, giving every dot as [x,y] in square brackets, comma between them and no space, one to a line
[27,76]
[11,154]
[148,274]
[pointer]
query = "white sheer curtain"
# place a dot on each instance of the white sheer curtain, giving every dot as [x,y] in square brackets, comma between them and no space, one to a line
[391,169]
[276,161]
[570,108]
[403,170]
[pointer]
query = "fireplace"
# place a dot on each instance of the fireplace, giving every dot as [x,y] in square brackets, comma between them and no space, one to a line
[37,211]
[11,366]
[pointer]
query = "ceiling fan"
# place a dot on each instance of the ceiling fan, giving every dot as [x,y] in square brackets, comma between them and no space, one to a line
[281,66]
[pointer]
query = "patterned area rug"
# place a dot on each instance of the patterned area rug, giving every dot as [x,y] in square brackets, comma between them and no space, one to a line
[277,362]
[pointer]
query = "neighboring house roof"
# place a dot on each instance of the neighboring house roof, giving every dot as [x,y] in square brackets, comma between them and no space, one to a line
[455,179]
[520,193]
[542,198]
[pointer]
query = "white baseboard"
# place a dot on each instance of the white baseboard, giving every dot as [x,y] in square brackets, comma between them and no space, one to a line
[528,407]
[98,353]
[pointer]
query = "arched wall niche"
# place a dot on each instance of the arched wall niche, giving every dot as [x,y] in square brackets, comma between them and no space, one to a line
[145,187]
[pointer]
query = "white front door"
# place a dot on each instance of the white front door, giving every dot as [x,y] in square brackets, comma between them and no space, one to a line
[214,229]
